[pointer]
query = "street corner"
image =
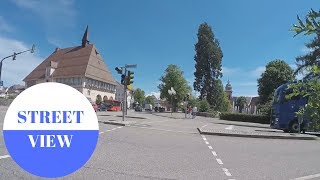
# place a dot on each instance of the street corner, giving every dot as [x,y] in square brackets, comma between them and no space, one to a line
[249,132]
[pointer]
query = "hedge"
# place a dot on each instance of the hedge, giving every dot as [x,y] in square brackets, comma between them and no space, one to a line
[263,119]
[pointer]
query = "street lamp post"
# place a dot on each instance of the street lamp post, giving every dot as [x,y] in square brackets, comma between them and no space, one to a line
[171,92]
[14,55]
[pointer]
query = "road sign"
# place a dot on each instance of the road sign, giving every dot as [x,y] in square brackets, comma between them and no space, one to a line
[131,65]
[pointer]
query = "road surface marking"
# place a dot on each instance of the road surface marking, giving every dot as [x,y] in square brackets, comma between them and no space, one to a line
[206,142]
[219,161]
[168,130]
[308,177]
[214,153]
[204,126]
[229,127]
[5,156]
[210,147]
[203,136]
[111,130]
[226,171]
[204,139]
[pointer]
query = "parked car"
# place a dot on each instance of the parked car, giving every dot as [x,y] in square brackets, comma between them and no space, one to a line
[102,107]
[138,108]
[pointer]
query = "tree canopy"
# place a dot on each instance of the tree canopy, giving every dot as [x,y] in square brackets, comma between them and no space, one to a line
[208,67]
[241,102]
[277,72]
[173,77]
[149,100]
[139,96]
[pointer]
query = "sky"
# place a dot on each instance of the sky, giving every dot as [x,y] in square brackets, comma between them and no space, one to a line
[154,34]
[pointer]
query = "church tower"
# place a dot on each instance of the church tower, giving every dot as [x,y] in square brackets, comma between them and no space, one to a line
[228,90]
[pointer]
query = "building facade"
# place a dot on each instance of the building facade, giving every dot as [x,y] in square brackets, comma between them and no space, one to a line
[120,95]
[81,67]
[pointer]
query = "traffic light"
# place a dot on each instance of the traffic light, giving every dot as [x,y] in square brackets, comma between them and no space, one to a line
[119,70]
[130,77]
[123,79]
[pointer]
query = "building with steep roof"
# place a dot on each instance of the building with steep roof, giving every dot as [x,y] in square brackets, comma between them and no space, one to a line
[81,67]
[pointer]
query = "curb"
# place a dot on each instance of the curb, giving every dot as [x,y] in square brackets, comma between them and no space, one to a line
[167,116]
[133,117]
[117,123]
[258,136]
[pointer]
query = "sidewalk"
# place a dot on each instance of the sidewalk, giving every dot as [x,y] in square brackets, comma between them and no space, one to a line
[219,127]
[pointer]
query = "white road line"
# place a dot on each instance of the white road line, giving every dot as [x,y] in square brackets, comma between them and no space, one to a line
[229,127]
[308,177]
[206,142]
[204,126]
[226,171]
[210,147]
[205,139]
[5,156]
[203,136]
[214,153]
[159,129]
[111,130]
[219,161]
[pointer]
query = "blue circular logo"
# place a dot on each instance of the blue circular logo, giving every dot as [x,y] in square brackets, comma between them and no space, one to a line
[51,130]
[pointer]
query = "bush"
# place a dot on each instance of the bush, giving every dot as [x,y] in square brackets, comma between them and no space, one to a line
[263,119]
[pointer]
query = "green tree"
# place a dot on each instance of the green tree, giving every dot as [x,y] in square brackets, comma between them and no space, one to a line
[149,100]
[311,25]
[208,67]
[277,72]
[227,107]
[310,59]
[139,96]
[98,99]
[193,101]
[204,106]
[173,77]
[241,102]
[311,88]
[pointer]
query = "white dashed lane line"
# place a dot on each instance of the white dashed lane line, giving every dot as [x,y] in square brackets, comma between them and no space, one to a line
[219,161]
[5,156]
[111,129]
[214,153]
[226,171]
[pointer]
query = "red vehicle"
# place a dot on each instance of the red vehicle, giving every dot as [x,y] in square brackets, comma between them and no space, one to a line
[113,105]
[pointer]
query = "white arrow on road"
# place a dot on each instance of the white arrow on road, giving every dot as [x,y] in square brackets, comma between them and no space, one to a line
[229,127]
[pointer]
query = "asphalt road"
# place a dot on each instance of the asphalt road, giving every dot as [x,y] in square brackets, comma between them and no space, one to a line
[164,148]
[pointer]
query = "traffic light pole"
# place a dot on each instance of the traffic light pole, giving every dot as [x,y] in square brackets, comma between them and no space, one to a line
[125,81]
[124,104]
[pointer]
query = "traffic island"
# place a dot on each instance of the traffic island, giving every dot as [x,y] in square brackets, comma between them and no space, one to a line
[117,122]
[255,134]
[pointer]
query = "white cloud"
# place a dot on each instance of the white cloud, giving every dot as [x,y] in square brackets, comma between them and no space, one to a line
[156,94]
[230,71]
[4,26]
[258,71]
[57,16]
[13,72]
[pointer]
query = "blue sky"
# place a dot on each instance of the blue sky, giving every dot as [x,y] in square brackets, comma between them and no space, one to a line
[154,34]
